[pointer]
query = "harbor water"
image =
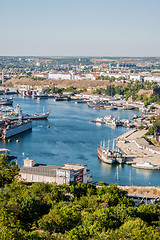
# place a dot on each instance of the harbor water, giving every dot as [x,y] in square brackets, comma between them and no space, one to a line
[73,138]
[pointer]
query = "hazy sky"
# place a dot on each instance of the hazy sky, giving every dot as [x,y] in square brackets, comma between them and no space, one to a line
[80,27]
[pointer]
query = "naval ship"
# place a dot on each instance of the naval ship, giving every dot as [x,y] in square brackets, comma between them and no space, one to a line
[12,128]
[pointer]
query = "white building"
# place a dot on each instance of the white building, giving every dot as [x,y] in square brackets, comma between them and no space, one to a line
[152,78]
[32,172]
[135,77]
[60,75]
[116,75]
[42,75]
[88,76]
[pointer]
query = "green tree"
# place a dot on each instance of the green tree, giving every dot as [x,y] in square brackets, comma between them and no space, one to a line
[8,170]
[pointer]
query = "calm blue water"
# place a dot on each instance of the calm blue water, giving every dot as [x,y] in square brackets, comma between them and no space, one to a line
[73,138]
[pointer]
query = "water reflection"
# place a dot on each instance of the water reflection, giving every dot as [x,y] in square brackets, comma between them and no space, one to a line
[145,172]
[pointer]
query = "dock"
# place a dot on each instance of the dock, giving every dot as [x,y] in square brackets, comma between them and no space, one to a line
[137,149]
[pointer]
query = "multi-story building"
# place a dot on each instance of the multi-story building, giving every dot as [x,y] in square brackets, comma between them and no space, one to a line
[60,75]
[33,172]
[42,75]
[135,77]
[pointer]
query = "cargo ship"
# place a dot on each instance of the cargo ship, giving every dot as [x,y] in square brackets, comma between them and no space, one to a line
[12,128]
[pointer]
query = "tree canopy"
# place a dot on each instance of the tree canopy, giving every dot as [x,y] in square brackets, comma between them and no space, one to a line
[83,211]
[8,170]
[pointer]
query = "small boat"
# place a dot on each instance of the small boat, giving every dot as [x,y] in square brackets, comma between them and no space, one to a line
[41,95]
[7,152]
[119,157]
[36,116]
[6,101]
[98,120]
[146,165]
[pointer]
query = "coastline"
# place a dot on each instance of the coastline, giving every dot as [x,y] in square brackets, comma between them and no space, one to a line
[149,190]
[137,149]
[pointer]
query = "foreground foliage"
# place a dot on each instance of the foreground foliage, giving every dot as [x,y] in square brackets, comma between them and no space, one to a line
[8,170]
[48,211]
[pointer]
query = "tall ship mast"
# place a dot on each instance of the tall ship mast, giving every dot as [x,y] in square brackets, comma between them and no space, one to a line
[109,155]
[105,154]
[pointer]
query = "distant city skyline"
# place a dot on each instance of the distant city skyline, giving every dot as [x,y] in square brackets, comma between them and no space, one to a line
[80,28]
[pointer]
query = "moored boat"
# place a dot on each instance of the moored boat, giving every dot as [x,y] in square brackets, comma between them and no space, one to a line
[6,101]
[146,165]
[14,114]
[7,153]
[106,155]
[119,157]
[110,155]
[41,95]
[12,128]
[36,116]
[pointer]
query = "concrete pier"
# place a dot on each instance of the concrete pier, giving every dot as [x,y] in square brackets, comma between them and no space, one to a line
[137,149]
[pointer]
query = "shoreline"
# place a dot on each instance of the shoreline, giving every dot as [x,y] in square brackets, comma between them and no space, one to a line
[137,149]
[147,190]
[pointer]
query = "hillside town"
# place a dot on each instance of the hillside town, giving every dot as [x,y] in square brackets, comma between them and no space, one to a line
[120,69]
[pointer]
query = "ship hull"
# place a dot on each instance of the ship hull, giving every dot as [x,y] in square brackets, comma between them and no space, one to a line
[104,157]
[120,160]
[37,117]
[17,130]
[7,103]
[146,168]
[33,117]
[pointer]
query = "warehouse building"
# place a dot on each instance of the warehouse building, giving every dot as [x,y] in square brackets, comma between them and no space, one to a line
[33,172]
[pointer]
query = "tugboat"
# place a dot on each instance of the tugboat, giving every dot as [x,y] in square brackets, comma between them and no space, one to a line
[119,157]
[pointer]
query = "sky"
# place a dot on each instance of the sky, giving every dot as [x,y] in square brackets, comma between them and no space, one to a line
[80,28]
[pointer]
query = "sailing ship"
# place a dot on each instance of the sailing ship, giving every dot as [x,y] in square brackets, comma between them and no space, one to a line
[110,155]
[105,154]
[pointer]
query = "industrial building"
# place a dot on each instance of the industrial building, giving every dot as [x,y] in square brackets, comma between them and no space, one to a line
[33,172]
